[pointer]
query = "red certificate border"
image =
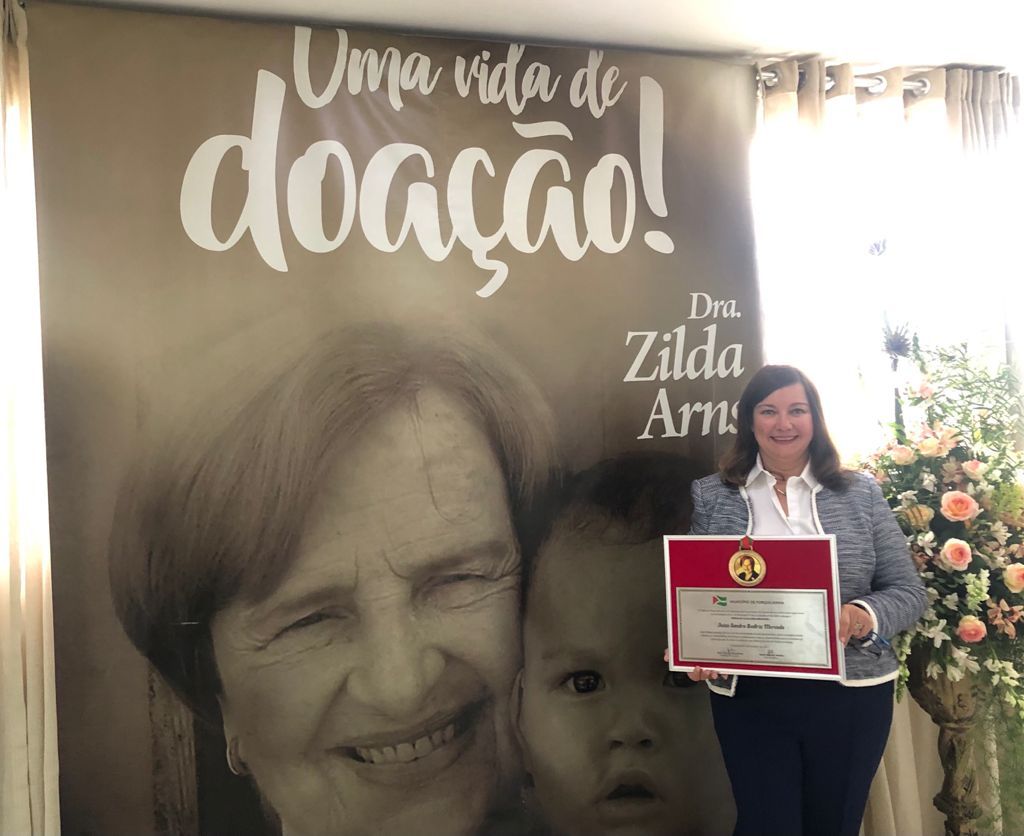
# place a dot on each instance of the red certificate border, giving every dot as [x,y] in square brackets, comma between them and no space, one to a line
[696,561]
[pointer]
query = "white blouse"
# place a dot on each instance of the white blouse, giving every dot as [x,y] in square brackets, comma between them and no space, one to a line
[769,518]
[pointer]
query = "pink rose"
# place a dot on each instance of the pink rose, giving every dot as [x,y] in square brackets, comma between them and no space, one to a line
[956,554]
[1013,577]
[974,469]
[958,506]
[902,455]
[971,629]
[925,391]
[929,447]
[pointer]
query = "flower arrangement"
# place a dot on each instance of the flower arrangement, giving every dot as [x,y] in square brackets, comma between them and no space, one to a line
[952,475]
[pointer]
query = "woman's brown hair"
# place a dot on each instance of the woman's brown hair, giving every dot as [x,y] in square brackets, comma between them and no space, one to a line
[739,461]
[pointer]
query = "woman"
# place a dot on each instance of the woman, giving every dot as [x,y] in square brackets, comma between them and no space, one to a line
[748,571]
[331,574]
[801,754]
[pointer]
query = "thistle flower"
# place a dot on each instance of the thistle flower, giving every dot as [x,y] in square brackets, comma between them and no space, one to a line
[896,343]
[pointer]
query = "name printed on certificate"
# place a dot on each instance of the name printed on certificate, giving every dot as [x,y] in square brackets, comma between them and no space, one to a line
[780,627]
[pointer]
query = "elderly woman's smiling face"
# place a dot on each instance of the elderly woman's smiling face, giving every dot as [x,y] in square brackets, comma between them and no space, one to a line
[369,690]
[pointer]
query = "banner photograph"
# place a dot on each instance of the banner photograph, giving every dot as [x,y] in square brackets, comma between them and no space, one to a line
[376,367]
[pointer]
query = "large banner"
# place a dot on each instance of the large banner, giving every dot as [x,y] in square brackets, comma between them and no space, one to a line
[375,368]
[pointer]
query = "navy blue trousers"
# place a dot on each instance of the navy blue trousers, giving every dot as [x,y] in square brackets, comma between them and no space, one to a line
[801,754]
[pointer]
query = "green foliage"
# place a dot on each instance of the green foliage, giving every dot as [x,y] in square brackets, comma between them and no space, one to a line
[983,405]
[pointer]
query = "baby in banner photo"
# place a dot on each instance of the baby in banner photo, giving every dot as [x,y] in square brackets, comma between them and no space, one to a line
[608,735]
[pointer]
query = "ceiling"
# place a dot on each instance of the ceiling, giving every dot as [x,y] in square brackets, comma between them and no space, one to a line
[868,32]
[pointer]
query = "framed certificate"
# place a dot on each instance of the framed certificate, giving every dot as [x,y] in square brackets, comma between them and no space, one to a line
[768,605]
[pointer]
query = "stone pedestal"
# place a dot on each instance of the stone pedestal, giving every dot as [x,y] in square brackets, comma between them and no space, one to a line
[953,706]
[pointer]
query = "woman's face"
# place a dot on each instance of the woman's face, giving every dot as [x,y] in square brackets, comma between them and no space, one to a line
[369,692]
[783,428]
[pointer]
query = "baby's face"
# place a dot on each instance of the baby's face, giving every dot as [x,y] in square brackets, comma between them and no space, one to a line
[608,731]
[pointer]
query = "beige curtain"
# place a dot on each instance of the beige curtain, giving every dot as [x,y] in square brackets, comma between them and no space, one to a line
[28,720]
[982,106]
[874,206]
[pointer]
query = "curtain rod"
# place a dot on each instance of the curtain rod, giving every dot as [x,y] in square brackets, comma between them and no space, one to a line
[874,84]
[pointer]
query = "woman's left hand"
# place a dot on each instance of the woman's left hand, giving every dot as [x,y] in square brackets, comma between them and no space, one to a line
[854,622]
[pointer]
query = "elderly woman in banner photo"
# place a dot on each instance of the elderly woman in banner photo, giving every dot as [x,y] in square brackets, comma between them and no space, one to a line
[332,574]
[801,754]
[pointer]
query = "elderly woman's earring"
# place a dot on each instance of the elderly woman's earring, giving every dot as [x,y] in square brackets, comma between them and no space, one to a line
[235,763]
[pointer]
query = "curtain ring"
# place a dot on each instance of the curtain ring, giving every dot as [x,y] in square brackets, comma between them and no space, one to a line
[878,85]
[922,87]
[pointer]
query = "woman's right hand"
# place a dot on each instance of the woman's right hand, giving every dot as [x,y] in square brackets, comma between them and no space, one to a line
[700,674]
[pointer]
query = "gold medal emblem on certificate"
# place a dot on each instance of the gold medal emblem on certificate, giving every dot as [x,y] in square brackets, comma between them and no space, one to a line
[747,567]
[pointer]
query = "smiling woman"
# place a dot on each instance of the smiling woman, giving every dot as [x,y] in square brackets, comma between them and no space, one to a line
[783,478]
[333,575]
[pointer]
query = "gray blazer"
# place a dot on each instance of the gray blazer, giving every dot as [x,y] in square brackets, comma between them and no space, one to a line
[874,562]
